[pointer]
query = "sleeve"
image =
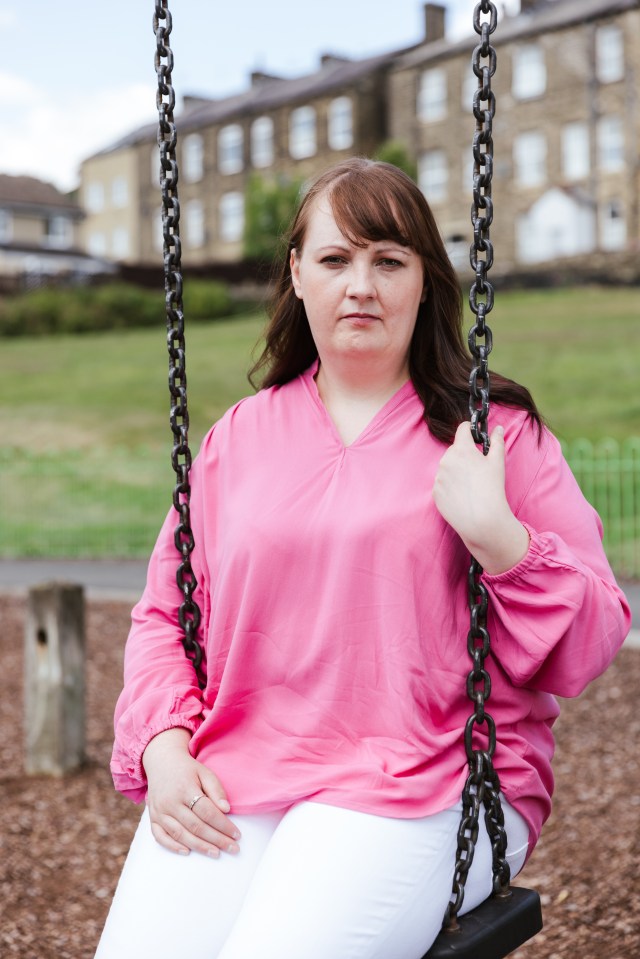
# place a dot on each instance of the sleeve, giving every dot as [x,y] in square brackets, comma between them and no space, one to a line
[558,618]
[161,689]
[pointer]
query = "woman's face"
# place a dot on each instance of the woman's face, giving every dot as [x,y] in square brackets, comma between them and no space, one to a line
[361,302]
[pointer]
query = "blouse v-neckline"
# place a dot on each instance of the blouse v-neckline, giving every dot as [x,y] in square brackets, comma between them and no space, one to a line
[388,407]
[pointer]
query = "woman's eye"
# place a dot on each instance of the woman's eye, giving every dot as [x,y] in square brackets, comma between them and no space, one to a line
[390,262]
[334,260]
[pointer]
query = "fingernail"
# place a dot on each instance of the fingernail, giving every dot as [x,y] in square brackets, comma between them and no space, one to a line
[213,853]
[236,834]
[223,805]
[183,852]
[233,848]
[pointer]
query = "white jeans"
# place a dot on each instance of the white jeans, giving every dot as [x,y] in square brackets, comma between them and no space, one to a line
[310,882]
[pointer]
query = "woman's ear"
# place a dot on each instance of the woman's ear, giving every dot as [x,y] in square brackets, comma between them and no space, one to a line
[294,266]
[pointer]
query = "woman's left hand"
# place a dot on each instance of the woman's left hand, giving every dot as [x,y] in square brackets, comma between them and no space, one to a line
[469,493]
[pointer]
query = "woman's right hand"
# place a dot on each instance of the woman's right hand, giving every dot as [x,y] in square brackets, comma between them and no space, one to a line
[174,779]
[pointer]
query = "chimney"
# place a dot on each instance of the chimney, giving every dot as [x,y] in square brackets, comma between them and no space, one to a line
[434,16]
[332,59]
[260,79]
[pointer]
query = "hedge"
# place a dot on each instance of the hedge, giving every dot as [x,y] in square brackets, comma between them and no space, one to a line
[109,307]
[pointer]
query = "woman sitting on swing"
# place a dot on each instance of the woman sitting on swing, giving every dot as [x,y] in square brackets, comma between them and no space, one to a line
[306,803]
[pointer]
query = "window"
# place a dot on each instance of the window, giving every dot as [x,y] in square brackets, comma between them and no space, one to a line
[231,217]
[467,166]
[530,159]
[302,133]
[120,243]
[155,166]
[94,197]
[157,238]
[575,151]
[341,123]
[59,232]
[529,72]
[609,54]
[193,157]
[195,224]
[613,229]
[610,143]
[6,226]
[469,87]
[432,95]
[433,175]
[458,251]
[97,244]
[230,149]
[119,192]
[262,142]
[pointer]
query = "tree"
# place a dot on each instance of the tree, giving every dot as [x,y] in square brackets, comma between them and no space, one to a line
[395,152]
[270,206]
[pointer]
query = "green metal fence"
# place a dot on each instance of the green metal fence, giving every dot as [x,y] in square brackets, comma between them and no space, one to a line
[609,475]
[92,504]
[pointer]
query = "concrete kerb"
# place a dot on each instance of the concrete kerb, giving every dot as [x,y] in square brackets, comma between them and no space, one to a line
[123,581]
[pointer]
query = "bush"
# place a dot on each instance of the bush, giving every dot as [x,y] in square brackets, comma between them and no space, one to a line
[112,306]
[206,299]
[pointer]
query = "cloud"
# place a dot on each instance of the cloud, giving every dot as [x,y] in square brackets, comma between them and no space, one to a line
[8,18]
[51,136]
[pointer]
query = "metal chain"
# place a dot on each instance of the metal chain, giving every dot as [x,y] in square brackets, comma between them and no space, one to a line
[482,787]
[189,612]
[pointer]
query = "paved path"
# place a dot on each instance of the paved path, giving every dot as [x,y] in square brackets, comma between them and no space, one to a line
[124,580]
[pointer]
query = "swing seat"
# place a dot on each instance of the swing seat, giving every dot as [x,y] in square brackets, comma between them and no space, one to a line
[494,929]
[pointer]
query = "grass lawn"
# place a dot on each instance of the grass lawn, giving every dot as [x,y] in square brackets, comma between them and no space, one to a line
[85,462]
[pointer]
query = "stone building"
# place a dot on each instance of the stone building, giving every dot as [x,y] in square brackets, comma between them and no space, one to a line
[280,128]
[284,128]
[39,234]
[566,134]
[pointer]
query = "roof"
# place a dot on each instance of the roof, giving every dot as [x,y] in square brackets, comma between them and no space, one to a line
[336,73]
[21,192]
[544,17]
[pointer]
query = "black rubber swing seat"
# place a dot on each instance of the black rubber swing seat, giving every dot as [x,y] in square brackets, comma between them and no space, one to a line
[494,929]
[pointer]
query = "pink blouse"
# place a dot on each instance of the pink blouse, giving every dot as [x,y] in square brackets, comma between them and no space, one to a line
[335,616]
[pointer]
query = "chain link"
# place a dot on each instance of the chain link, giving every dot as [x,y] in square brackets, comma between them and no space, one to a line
[481,256]
[482,787]
[189,613]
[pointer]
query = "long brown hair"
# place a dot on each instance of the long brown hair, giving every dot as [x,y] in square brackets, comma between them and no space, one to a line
[373,201]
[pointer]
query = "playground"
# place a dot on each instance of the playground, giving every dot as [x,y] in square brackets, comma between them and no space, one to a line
[64,840]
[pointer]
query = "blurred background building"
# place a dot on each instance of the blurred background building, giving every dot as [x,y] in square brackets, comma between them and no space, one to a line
[567,143]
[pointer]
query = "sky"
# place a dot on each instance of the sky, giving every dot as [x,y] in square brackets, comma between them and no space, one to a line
[76,75]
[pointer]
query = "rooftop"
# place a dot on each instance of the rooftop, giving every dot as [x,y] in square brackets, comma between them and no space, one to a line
[19,192]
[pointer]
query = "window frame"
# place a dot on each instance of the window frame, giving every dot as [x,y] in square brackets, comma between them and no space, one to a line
[526,85]
[610,59]
[226,213]
[610,134]
[194,214]
[230,149]
[262,157]
[303,132]
[437,189]
[522,151]
[339,132]
[193,157]
[432,104]
[576,155]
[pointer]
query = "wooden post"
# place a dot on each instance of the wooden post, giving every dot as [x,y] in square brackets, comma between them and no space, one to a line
[54,679]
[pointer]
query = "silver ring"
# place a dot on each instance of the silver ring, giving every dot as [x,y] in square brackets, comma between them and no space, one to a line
[194,800]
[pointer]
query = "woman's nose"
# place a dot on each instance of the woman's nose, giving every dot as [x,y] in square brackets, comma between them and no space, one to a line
[361,282]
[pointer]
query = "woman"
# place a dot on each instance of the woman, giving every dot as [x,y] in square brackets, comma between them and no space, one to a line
[313,786]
